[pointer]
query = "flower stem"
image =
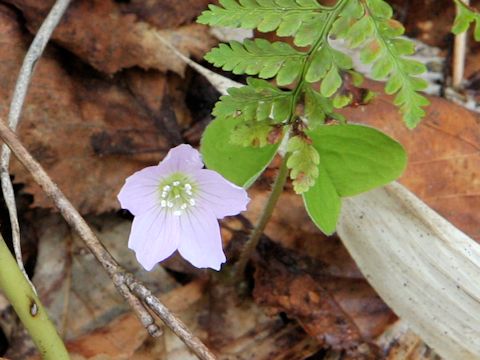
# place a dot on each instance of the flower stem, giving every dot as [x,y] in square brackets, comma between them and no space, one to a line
[252,242]
[267,212]
[28,308]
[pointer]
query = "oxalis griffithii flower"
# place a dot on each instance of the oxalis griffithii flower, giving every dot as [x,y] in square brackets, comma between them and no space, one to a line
[176,205]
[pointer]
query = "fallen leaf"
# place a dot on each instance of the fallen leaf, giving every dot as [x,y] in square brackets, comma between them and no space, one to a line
[165,14]
[341,313]
[110,39]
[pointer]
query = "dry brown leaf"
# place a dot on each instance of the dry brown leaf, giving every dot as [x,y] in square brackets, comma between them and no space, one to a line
[340,312]
[165,14]
[232,328]
[444,156]
[89,132]
[111,39]
[398,342]
[312,279]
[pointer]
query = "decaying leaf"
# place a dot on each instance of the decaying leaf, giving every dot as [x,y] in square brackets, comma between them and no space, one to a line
[311,278]
[399,342]
[111,38]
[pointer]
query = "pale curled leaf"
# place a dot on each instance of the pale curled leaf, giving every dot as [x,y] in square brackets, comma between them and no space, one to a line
[421,265]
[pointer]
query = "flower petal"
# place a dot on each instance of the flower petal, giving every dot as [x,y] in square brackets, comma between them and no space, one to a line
[219,194]
[139,193]
[183,158]
[200,242]
[154,237]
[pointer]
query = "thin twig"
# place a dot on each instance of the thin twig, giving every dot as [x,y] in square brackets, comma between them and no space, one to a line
[459,54]
[124,282]
[33,54]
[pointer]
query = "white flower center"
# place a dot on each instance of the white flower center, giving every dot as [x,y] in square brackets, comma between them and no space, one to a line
[177,193]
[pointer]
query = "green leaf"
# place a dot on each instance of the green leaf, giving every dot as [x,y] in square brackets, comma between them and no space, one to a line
[348,16]
[382,68]
[342,61]
[331,83]
[317,107]
[353,159]
[238,164]
[360,32]
[321,63]
[298,19]
[358,158]
[464,17]
[259,57]
[323,203]
[258,100]
[380,9]
[253,133]
[385,51]
[303,163]
[371,52]
[342,100]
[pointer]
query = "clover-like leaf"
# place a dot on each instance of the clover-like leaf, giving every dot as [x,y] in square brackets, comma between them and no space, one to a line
[353,159]
[242,165]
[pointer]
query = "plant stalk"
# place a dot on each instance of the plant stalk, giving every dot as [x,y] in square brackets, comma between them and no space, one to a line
[267,212]
[27,305]
[257,232]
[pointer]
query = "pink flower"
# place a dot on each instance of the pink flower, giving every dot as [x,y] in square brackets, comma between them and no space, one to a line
[176,205]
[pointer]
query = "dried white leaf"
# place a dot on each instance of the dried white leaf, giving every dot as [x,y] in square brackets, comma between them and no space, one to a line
[423,267]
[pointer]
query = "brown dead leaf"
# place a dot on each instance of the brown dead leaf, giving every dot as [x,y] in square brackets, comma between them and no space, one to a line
[398,342]
[165,14]
[110,39]
[340,312]
[82,126]
[444,156]
[239,331]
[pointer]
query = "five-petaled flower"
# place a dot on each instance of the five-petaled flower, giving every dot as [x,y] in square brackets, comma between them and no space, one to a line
[176,205]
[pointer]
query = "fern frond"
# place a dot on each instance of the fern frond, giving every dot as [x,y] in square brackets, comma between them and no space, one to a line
[297,18]
[259,57]
[379,35]
[258,100]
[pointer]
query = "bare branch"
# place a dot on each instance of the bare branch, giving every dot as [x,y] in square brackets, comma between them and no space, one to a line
[125,283]
[33,54]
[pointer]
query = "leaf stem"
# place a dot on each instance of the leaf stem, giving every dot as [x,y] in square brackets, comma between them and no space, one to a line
[28,308]
[267,212]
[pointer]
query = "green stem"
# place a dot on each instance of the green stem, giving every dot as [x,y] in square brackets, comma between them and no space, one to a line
[28,308]
[267,212]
